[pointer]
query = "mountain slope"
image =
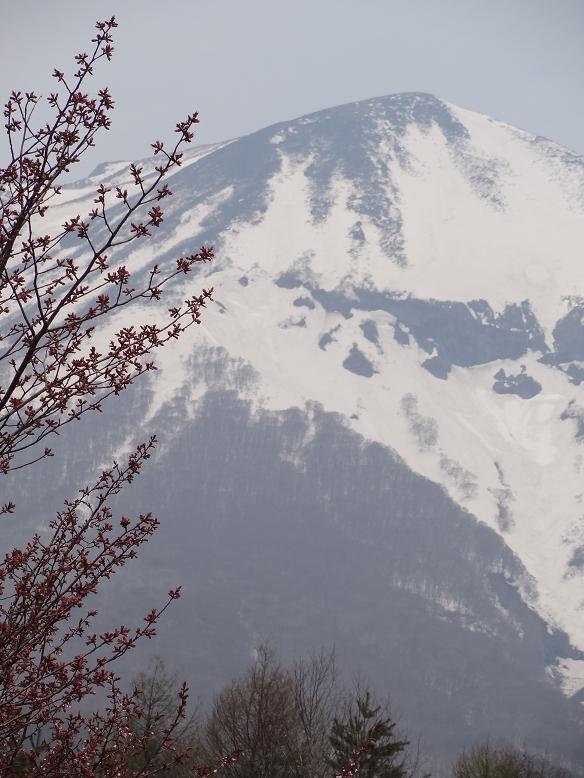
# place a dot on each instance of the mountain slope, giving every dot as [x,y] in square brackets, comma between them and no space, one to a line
[391,382]
[398,234]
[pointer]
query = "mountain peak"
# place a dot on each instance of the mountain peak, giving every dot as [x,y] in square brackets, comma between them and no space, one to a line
[392,374]
[397,111]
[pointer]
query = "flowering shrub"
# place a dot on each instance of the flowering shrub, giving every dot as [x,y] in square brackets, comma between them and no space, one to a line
[55,291]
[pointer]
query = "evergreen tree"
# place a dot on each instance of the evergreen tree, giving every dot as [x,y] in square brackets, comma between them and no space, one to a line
[366,734]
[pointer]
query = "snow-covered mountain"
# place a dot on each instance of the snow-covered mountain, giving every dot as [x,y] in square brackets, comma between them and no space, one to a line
[376,438]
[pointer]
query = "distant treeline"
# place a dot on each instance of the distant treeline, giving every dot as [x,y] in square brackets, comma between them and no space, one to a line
[296,721]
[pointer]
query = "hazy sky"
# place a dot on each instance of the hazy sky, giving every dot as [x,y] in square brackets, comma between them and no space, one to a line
[247,64]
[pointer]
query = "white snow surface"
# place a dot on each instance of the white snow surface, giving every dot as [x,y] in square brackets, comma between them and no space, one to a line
[486,449]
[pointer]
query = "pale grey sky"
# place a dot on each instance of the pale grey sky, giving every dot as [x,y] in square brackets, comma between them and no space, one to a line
[245,65]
